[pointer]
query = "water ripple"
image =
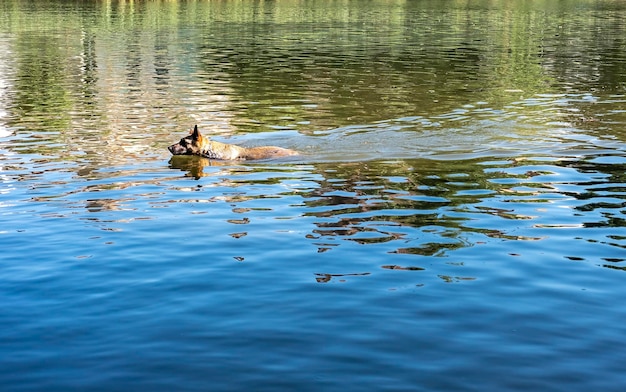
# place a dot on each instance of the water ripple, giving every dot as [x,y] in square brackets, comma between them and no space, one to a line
[458,207]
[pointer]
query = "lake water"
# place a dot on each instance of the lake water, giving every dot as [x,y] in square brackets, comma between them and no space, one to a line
[456,219]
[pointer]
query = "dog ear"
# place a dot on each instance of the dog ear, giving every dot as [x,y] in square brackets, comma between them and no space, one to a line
[196,134]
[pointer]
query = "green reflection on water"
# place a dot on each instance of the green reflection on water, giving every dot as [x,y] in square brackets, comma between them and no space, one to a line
[108,69]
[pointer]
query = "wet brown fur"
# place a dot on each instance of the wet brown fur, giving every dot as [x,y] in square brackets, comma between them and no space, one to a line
[196,144]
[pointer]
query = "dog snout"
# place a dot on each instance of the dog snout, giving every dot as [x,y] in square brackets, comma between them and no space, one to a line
[175,149]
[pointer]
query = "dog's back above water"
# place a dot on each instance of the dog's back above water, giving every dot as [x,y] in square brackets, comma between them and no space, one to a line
[196,144]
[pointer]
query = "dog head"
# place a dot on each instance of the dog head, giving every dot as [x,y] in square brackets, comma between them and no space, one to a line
[189,145]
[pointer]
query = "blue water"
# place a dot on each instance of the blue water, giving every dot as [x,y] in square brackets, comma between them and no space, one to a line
[459,239]
[503,274]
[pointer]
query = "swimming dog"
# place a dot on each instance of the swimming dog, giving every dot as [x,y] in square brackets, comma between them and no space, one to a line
[196,144]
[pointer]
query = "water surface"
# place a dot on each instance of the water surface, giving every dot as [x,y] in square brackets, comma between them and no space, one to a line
[456,219]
